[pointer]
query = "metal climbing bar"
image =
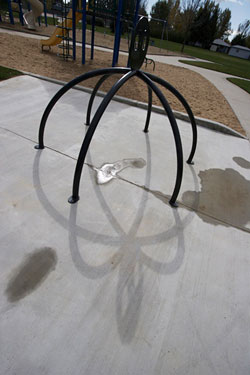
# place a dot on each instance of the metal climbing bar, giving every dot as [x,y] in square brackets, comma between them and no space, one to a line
[67,87]
[173,90]
[83,30]
[176,135]
[137,53]
[91,130]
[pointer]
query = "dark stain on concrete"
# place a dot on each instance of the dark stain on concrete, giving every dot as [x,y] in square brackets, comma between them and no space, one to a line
[243,163]
[31,273]
[224,195]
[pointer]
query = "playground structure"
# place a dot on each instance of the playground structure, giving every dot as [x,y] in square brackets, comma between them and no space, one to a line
[61,35]
[56,37]
[137,54]
[27,18]
[31,16]
[119,12]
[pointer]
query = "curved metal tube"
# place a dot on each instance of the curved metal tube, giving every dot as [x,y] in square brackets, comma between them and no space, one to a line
[186,106]
[91,130]
[92,97]
[176,134]
[66,88]
[149,109]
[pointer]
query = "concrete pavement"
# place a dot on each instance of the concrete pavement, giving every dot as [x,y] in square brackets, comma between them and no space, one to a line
[119,283]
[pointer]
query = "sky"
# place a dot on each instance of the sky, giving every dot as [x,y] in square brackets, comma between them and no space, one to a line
[240,11]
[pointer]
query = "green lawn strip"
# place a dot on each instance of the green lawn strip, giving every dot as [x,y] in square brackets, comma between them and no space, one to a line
[245,85]
[236,69]
[6,73]
[222,62]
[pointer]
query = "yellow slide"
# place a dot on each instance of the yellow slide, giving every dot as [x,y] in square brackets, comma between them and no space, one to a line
[57,35]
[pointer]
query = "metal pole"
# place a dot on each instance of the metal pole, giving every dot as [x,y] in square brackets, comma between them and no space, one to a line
[66,88]
[93,34]
[74,28]
[91,130]
[20,12]
[117,34]
[185,105]
[176,134]
[45,12]
[163,32]
[149,109]
[10,12]
[93,95]
[83,30]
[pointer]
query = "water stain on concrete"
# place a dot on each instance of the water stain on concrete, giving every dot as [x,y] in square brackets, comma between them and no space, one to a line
[224,195]
[31,273]
[243,163]
[109,171]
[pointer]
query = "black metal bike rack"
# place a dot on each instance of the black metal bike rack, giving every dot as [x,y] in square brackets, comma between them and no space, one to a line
[137,53]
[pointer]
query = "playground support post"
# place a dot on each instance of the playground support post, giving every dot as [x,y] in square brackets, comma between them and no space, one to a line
[117,33]
[83,30]
[45,12]
[10,12]
[20,12]
[163,32]
[92,34]
[74,28]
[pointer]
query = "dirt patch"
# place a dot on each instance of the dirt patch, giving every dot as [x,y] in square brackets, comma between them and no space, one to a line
[205,100]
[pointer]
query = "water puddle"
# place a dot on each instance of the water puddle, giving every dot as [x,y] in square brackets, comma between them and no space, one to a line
[31,273]
[224,195]
[243,163]
[109,171]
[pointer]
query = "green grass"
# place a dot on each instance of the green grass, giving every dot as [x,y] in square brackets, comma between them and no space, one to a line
[235,67]
[245,85]
[222,62]
[6,73]
[50,21]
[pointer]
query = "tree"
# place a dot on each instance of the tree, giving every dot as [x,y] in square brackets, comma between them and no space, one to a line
[165,10]
[210,23]
[243,33]
[187,15]
[204,26]
[224,24]
[161,9]
[143,8]
[248,41]
[173,14]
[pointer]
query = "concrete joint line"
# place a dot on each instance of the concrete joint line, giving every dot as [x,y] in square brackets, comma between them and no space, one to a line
[156,194]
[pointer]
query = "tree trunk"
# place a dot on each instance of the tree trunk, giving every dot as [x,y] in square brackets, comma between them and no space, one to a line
[183,45]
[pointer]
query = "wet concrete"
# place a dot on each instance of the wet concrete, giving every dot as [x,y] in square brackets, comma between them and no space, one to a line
[243,163]
[109,171]
[137,281]
[31,273]
[224,196]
